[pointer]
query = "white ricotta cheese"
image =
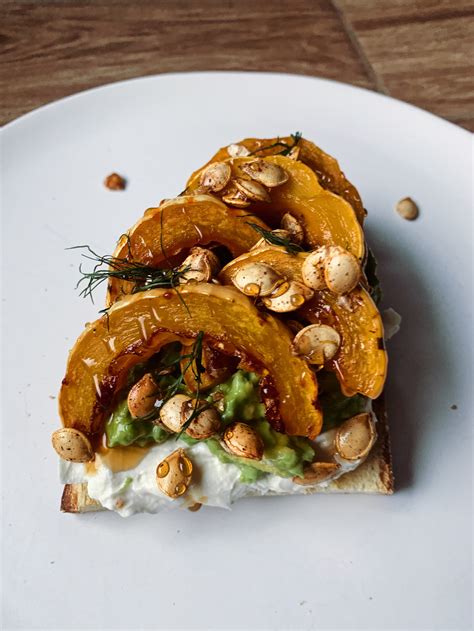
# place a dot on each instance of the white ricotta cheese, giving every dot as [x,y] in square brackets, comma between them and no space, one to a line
[216,484]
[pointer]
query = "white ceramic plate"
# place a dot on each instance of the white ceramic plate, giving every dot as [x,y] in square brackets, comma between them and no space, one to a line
[335,562]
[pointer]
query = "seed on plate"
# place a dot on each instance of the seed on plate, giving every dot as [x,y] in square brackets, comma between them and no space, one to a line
[290,224]
[341,270]
[242,440]
[257,279]
[355,437]
[203,265]
[72,445]
[253,191]
[173,474]
[293,298]
[170,412]
[407,209]
[216,176]
[318,343]
[267,173]
[237,151]
[317,472]
[142,396]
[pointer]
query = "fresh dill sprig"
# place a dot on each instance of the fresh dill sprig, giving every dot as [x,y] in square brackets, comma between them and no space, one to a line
[197,409]
[296,137]
[105,313]
[274,239]
[143,276]
[194,362]
[126,236]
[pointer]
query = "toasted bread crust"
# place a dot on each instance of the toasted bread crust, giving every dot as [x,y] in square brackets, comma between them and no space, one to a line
[75,499]
[375,475]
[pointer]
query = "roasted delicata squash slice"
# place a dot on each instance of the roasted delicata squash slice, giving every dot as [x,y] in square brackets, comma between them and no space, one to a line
[273,186]
[361,361]
[217,366]
[176,226]
[137,326]
[325,166]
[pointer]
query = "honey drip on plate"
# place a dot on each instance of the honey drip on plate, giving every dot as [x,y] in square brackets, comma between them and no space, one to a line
[122,458]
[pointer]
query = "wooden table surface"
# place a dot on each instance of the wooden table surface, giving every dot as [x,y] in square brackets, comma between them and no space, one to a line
[419,51]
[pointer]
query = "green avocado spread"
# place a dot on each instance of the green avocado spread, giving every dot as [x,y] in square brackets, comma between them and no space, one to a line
[284,456]
[241,398]
[336,407]
[122,430]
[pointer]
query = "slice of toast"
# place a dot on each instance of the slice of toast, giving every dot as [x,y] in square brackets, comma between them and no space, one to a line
[375,475]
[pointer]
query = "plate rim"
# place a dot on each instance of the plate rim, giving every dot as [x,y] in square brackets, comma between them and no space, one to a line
[11,125]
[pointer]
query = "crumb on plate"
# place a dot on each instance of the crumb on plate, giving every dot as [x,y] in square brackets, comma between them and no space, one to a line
[115,182]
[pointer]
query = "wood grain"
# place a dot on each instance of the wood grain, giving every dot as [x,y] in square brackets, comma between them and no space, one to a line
[58,48]
[418,51]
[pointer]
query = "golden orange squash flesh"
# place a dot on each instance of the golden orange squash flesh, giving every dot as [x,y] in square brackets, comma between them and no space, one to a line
[327,219]
[361,362]
[325,166]
[178,225]
[217,369]
[136,328]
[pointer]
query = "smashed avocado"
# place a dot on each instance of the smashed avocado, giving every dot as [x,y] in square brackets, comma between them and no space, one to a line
[122,430]
[335,405]
[284,456]
[241,397]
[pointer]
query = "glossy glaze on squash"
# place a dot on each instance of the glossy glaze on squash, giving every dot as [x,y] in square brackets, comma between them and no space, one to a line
[327,219]
[218,367]
[325,166]
[136,328]
[361,361]
[177,225]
